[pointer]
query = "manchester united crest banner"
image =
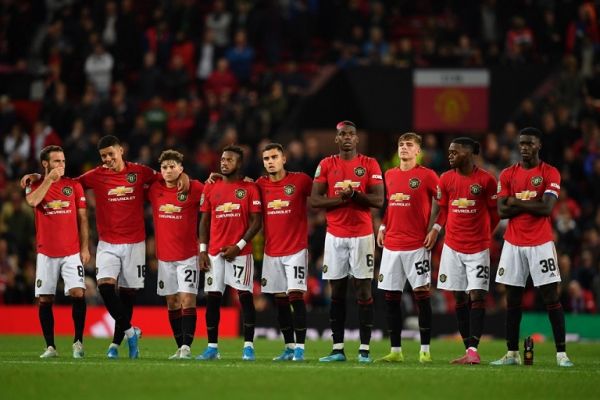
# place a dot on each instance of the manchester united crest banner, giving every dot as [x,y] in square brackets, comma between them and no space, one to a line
[450,99]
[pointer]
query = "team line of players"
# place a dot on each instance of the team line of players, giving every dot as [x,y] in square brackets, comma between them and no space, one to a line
[466,201]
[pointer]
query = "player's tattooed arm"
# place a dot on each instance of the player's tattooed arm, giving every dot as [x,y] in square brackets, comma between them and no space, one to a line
[84,234]
[372,198]
[505,210]
[231,252]
[318,197]
[33,198]
[203,232]
[541,208]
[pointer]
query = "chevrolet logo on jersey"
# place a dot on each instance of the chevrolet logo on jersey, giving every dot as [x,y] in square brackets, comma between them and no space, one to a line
[228,207]
[346,183]
[526,195]
[169,209]
[399,197]
[463,203]
[120,191]
[278,204]
[56,204]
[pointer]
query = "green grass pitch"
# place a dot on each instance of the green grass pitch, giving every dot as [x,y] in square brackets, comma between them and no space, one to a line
[24,376]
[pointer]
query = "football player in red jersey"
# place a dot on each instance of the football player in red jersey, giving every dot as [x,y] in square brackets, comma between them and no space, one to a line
[231,216]
[285,271]
[467,200]
[175,218]
[62,244]
[527,193]
[410,190]
[347,185]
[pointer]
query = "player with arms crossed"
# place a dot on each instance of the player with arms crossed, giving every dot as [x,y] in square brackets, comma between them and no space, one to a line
[62,232]
[347,185]
[467,201]
[285,269]
[231,216]
[527,192]
[175,218]
[410,190]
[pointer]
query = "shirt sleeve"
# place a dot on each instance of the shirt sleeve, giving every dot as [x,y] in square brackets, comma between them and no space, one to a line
[80,201]
[306,185]
[87,179]
[205,206]
[149,175]
[434,183]
[442,193]
[254,199]
[552,180]
[321,172]
[504,188]
[375,175]
[491,192]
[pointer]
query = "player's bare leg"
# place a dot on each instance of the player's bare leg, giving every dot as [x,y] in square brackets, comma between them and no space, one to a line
[365,317]
[175,317]
[284,317]
[422,296]
[78,314]
[299,307]
[337,319]
[114,306]
[47,321]
[188,323]
[557,320]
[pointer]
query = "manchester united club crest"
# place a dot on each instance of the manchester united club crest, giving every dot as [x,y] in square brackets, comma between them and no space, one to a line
[209,281]
[161,284]
[182,197]
[537,180]
[289,189]
[324,269]
[67,190]
[500,271]
[414,183]
[359,171]
[380,277]
[443,278]
[131,178]
[39,283]
[240,193]
[476,189]
[263,282]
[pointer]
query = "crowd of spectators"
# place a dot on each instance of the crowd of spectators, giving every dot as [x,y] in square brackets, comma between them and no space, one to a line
[196,75]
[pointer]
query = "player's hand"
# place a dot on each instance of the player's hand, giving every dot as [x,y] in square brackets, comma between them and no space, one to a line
[510,201]
[229,253]
[29,179]
[430,239]
[56,173]
[380,237]
[213,177]
[346,193]
[183,183]
[85,255]
[204,261]
[248,179]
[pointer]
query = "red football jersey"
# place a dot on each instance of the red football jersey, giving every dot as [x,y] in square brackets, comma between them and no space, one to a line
[119,201]
[409,198]
[349,219]
[468,200]
[56,227]
[530,185]
[229,205]
[175,220]
[284,213]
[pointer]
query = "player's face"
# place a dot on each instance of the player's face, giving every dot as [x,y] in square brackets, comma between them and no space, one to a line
[457,155]
[408,150]
[56,159]
[347,138]
[230,163]
[170,170]
[529,146]
[112,156]
[273,160]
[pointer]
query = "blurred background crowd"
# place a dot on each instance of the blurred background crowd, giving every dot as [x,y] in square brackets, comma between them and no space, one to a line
[197,75]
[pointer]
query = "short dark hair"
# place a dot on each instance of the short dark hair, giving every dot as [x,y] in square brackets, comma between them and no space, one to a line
[168,155]
[411,136]
[107,141]
[344,123]
[531,131]
[468,142]
[45,153]
[235,149]
[273,146]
